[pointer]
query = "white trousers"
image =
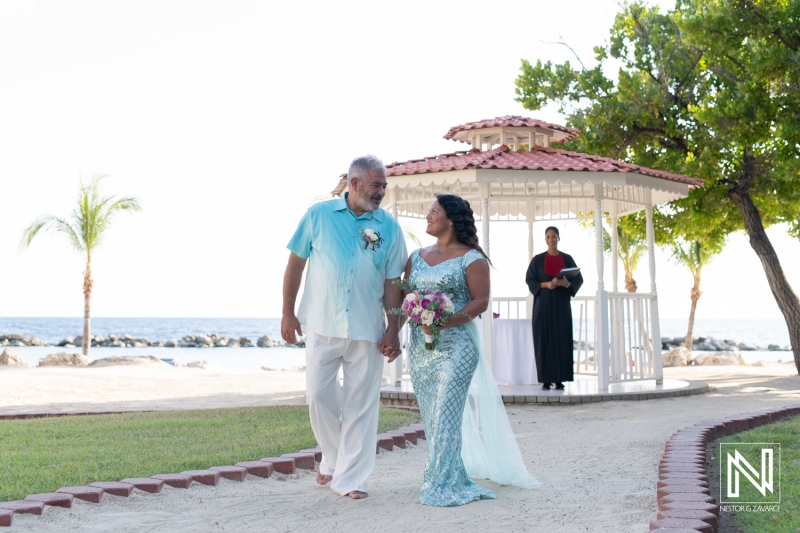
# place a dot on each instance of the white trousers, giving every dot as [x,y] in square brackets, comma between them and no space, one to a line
[344,418]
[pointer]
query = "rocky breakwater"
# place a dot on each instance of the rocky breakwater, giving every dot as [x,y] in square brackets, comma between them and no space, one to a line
[709,344]
[16,339]
[211,340]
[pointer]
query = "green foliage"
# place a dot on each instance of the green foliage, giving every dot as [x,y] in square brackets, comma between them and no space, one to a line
[710,90]
[42,455]
[694,255]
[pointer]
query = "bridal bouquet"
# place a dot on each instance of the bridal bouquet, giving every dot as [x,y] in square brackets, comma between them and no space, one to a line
[429,307]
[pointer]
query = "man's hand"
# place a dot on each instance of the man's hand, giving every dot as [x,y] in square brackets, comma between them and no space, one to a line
[290,328]
[390,345]
[290,325]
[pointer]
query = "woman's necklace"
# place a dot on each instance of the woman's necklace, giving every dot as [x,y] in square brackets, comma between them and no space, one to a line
[442,251]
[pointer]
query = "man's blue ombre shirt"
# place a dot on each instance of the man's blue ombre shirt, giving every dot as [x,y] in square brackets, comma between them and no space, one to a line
[343,293]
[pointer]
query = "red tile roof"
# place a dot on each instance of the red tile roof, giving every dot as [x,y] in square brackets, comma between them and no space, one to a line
[511,121]
[540,158]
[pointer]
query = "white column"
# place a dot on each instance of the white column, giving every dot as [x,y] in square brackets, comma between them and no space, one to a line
[655,326]
[488,337]
[394,371]
[529,296]
[601,300]
[614,252]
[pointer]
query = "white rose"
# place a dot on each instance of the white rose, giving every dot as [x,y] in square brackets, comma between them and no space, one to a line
[427,317]
[410,297]
[449,307]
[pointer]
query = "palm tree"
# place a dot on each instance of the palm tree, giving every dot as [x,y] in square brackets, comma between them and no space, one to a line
[85,229]
[630,248]
[694,254]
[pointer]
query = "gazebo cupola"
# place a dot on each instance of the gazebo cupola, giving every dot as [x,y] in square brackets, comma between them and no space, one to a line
[512,131]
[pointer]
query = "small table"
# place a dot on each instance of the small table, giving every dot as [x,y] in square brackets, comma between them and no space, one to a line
[514,363]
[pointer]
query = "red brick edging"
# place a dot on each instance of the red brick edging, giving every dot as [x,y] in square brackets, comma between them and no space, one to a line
[264,468]
[684,499]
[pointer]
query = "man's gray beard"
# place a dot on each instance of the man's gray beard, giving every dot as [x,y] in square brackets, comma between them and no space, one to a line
[366,204]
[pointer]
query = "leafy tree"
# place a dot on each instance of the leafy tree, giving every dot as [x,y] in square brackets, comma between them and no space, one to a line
[85,229]
[711,90]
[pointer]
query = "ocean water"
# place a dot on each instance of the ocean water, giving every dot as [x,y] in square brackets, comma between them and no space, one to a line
[53,330]
[756,333]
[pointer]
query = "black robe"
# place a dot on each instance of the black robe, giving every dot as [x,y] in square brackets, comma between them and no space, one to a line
[552,322]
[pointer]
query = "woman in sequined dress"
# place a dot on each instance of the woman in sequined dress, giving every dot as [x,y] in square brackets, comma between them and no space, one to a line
[442,376]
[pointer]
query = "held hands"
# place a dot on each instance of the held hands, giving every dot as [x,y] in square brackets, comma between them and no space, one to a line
[390,345]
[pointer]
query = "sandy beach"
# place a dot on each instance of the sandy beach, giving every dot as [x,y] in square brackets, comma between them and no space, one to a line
[597,462]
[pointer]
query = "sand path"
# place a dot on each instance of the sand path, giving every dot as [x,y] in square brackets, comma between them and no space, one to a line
[597,462]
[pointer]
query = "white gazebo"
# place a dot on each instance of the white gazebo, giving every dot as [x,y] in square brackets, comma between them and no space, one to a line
[512,172]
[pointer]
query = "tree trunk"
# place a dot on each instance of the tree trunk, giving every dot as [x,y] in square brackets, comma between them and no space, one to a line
[696,293]
[781,290]
[630,284]
[86,342]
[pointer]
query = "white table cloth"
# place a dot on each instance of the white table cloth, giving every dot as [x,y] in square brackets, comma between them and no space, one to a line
[514,363]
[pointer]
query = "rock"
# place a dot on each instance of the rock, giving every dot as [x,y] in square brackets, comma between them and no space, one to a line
[265,342]
[300,343]
[66,341]
[299,368]
[204,364]
[133,360]
[171,343]
[719,358]
[679,356]
[11,358]
[773,348]
[222,343]
[704,346]
[267,369]
[203,339]
[15,339]
[233,343]
[244,342]
[64,359]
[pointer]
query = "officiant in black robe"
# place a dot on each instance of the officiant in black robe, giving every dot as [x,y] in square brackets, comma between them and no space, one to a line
[552,312]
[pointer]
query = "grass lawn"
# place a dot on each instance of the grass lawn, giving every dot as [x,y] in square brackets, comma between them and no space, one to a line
[787,520]
[45,454]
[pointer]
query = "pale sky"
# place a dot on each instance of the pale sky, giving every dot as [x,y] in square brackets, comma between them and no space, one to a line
[227,118]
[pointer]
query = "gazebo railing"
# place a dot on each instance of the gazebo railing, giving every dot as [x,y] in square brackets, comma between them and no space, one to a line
[631,350]
[631,343]
[510,307]
[583,312]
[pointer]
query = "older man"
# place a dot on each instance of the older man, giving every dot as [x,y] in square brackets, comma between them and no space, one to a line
[355,251]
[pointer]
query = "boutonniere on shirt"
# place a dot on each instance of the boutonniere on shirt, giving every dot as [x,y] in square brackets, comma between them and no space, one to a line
[372,239]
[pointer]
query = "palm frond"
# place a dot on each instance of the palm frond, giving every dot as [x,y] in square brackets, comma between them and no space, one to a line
[51,223]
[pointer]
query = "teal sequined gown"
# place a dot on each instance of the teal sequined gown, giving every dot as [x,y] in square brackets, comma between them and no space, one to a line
[441,379]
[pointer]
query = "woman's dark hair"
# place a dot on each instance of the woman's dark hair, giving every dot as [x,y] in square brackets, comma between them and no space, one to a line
[554,229]
[460,214]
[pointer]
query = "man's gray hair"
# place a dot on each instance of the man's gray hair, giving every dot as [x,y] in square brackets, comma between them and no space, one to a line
[361,166]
